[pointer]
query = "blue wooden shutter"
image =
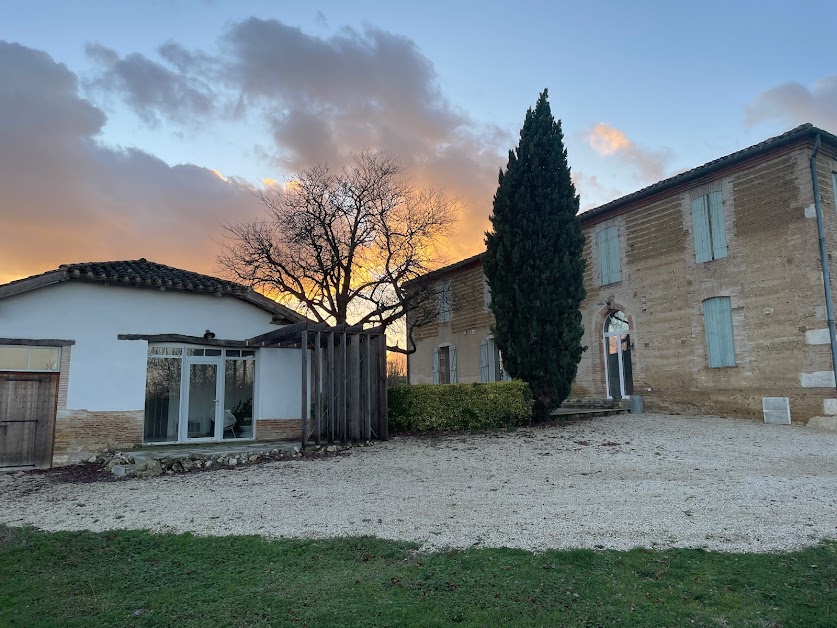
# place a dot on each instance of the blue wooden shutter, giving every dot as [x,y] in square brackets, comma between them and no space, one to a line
[452,357]
[484,361]
[604,263]
[717,321]
[607,248]
[435,366]
[719,230]
[700,224]
[613,255]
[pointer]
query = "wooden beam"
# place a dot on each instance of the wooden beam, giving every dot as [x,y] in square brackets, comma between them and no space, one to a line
[291,332]
[344,391]
[318,385]
[367,424]
[383,400]
[29,342]
[32,283]
[304,416]
[354,387]
[288,332]
[192,340]
[332,406]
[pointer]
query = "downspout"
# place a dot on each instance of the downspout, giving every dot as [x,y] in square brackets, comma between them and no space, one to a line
[826,274]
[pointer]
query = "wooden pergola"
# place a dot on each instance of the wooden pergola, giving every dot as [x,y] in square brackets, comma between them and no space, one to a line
[344,380]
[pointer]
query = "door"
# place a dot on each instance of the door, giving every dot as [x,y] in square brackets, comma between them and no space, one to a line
[202,401]
[27,419]
[617,356]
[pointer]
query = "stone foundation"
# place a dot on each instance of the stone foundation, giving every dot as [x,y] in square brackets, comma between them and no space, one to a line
[79,434]
[278,429]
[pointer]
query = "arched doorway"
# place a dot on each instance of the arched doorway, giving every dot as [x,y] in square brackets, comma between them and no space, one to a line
[617,354]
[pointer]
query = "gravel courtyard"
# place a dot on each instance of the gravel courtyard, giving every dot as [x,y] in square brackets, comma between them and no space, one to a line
[620,482]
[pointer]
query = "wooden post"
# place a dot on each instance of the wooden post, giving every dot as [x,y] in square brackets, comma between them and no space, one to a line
[331,401]
[354,387]
[383,401]
[373,385]
[318,386]
[367,425]
[344,392]
[304,415]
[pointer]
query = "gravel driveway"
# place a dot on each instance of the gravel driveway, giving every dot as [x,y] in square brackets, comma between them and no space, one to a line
[620,482]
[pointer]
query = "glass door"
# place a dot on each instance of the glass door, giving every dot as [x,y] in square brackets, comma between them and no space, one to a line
[202,400]
[617,355]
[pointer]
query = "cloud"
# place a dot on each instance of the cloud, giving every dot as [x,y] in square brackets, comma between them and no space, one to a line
[592,191]
[648,166]
[606,140]
[68,197]
[151,89]
[321,98]
[794,103]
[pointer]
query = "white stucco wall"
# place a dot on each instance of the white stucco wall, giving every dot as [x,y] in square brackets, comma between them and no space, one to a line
[107,374]
[279,383]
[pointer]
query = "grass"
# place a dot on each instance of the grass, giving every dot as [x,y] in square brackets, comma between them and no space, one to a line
[142,579]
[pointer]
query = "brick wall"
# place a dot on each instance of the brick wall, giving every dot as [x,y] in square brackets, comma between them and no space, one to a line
[772,275]
[278,429]
[79,433]
[470,323]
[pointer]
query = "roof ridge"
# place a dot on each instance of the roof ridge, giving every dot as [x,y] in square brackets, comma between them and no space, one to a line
[110,268]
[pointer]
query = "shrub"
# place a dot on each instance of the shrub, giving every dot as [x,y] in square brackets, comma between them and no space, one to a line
[423,408]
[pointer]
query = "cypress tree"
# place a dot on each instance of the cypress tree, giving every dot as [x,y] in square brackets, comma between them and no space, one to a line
[534,265]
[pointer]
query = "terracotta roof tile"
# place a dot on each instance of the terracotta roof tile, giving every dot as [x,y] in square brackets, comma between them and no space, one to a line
[152,274]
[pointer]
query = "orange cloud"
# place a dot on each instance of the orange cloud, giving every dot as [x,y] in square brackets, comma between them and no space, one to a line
[648,166]
[607,140]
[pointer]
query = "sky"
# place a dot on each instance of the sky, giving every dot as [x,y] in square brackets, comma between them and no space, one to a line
[136,129]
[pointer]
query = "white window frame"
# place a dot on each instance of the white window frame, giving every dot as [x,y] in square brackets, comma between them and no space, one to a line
[221,361]
[29,359]
[606,336]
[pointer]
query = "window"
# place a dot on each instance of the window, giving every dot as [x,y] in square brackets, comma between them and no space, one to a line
[607,247]
[187,384]
[491,362]
[443,302]
[710,232]
[162,395]
[717,320]
[239,387]
[444,365]
[486,293]
[22,358]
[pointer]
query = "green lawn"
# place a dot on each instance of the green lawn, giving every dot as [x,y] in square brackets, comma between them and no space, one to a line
[141,579]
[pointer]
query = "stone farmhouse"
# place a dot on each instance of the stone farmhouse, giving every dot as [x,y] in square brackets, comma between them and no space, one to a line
[705,292]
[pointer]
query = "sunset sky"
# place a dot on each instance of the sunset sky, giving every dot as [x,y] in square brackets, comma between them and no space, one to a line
[133,129]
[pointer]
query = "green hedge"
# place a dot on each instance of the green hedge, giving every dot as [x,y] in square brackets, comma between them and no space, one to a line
[423,408]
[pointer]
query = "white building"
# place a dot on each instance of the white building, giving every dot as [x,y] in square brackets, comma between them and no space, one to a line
[121,354]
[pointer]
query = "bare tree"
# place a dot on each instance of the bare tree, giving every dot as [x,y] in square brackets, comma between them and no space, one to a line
[340,246]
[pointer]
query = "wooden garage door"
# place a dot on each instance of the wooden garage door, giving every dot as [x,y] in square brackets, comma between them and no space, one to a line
[27,419]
